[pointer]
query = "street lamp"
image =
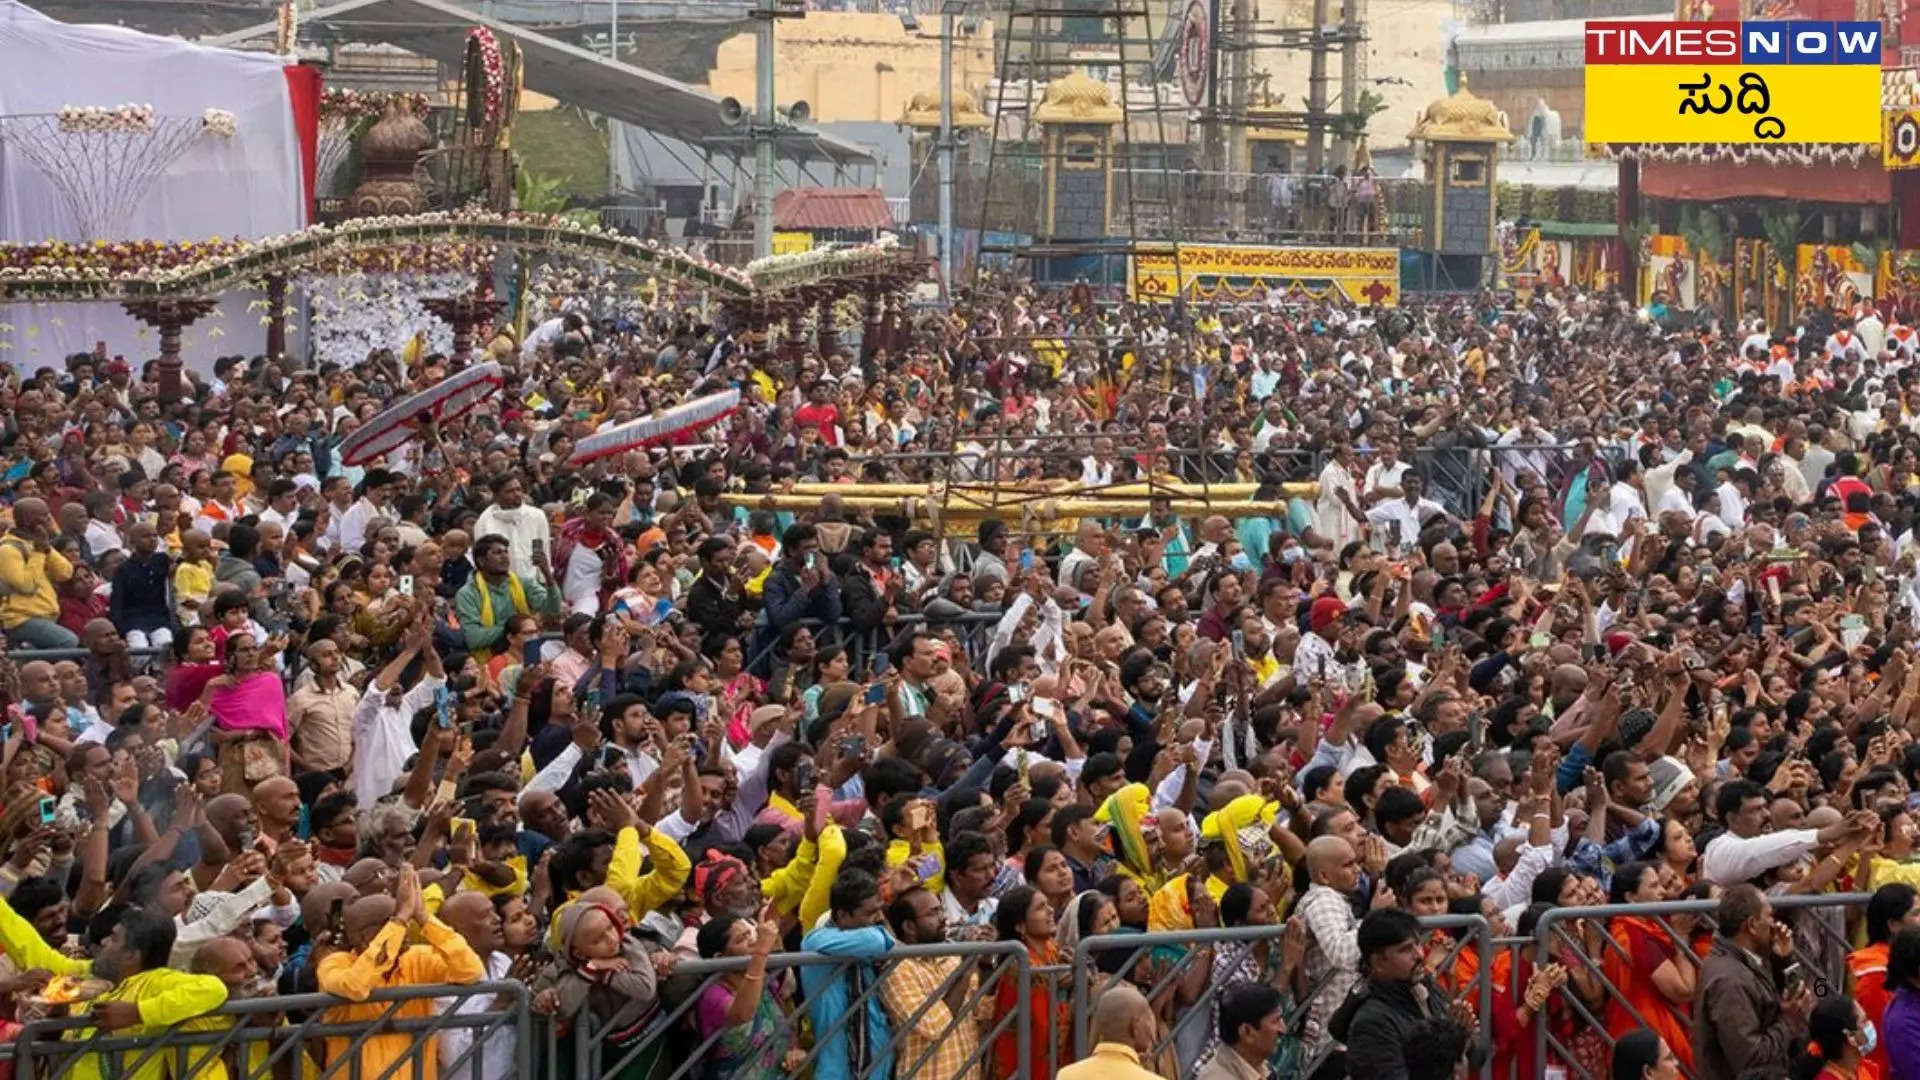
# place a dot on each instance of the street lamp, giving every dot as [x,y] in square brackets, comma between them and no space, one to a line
[765,122]
[944,143]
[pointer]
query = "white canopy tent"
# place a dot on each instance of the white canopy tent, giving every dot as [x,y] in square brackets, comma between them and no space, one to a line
[247,185]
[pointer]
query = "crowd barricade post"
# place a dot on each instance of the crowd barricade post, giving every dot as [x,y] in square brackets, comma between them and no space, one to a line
[1514,948]
[257,1050]
[681,1053]
[1552,930]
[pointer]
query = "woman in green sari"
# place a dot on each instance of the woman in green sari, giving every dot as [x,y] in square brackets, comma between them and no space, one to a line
[741,1014]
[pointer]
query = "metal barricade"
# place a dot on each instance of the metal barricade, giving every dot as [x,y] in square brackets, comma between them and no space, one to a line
[242,1040]
[1551,931]
[1215,946]
[669,1036]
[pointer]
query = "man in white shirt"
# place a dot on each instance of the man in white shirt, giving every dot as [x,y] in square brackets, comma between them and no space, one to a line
[523,524]
[1397,520]
[101,535]
[1745,850]
[374,488]
[1383,476]
[549,333]
[383,721]
[473,916]
[283,504]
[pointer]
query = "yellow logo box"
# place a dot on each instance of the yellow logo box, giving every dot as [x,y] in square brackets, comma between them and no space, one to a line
[1707,103]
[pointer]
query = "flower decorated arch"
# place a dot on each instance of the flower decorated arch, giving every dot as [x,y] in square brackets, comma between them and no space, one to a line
[144,270]
[140,270]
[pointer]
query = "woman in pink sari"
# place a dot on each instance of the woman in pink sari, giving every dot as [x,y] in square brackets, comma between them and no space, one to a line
[249,709]
[193,667]
[740,691]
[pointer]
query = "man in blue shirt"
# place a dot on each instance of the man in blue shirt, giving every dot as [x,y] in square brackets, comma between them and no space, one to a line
[859,1045]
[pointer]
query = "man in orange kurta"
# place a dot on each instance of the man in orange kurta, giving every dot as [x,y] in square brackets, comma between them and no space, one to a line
[378,957]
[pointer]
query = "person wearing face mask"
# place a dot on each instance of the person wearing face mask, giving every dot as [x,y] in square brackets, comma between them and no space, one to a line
[1839,1040]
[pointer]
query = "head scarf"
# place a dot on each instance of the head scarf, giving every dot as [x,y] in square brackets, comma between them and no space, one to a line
[1126,810]
[241,467]
[715,871]
[566,922]
[1068,932]
[1241,827]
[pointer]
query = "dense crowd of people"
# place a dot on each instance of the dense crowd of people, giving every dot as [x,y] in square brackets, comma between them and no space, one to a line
[1581,612]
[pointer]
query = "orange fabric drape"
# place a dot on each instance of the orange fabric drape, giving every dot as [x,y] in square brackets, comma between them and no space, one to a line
[1868,969]
[1634,979]
[1047,1023]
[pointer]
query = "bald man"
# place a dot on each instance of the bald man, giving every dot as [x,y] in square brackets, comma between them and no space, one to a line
[379,958]
[30,568]
[39,683]
[369,877]
[1124,1031]
[473,916]
[231,960]
[276,804]
[1333,951]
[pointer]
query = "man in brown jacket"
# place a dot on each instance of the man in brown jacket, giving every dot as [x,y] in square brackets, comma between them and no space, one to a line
[1745,1016]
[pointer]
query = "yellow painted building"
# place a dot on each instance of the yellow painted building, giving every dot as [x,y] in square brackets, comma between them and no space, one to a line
[855,67]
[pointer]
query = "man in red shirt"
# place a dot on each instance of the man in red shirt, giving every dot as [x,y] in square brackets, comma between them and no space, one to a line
[820,411]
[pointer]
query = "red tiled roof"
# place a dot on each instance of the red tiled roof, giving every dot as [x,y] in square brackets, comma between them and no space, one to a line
[831,208]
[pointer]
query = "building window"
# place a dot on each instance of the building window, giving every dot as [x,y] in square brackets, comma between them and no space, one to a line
[1467,171]
[1081,152]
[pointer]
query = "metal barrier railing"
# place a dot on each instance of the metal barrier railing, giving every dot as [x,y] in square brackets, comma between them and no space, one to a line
[259,1038]
[1551,932]
[669,1035]
[1478,991]
[243,1038]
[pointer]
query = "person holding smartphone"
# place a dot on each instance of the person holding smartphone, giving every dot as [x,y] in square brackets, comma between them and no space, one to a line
[800,586]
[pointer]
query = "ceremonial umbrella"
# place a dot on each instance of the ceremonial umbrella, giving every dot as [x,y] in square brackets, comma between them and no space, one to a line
[658,428]
[398,423]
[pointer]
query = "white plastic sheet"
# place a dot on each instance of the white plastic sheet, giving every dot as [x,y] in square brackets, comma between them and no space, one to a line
[248,185]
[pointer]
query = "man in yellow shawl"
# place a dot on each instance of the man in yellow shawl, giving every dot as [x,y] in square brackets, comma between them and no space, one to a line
[378,957]
[1233,841]
[495,592]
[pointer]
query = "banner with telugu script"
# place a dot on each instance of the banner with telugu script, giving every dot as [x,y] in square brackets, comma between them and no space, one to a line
[1233,272]
[1733,82]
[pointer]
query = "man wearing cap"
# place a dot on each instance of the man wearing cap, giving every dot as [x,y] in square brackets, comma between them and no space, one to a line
[1325,642]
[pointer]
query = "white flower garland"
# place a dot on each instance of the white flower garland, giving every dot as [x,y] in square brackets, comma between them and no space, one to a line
[354,314]
[101,120]
[219,122]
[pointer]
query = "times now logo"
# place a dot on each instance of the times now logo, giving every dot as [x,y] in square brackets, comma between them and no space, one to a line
[1733,43]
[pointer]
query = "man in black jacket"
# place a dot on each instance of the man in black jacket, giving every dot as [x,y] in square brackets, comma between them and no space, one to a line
[872,587]
[1398,995]
[713,600]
